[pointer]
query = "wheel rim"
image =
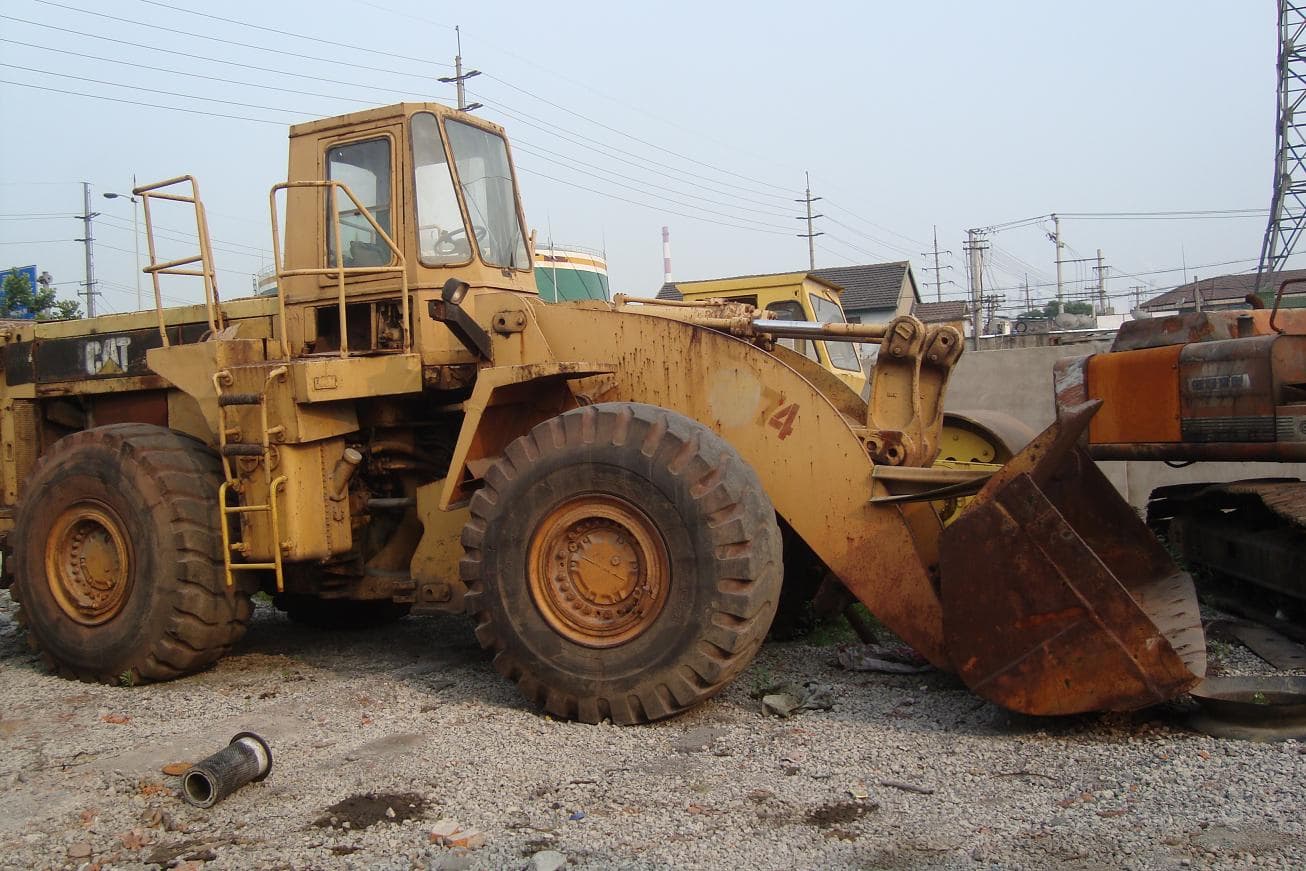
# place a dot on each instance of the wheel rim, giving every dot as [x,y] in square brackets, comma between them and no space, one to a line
[599,570]
[87,563]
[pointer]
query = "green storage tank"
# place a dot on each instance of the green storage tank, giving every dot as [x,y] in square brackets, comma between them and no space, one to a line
[569,272]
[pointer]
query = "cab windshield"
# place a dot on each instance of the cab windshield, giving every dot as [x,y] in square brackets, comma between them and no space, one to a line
[486,179]
[842,354]
[481,161]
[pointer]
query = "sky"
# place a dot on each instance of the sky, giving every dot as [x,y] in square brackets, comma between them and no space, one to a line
[702,117]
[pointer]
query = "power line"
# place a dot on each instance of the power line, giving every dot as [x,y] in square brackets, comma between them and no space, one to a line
[281,33]
[157,91]
[531,148]
[337,62]
[521,116]
[647,143]
[139,103]
[855,247]
[174,72]
[288,111]
[562,161]
[1190,267]
[281,72]
[876,240]
[691,215]
[1180,213]
[915,243]
[286,90]
[193,239]
[344,45]
[624,102]
[189,55]
[179,235]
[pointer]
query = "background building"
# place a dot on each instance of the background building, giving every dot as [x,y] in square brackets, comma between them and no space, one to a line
[1223,292]
[874,292]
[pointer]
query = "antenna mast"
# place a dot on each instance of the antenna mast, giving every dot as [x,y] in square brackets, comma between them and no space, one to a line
[459,76]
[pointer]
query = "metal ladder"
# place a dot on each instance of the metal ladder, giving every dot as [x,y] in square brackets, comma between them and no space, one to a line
[233,451]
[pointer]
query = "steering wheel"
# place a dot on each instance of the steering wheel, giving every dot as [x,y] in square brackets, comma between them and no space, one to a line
[446,240]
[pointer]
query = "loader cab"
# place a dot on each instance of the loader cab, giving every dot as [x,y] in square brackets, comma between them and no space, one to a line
[393,202]
[794,296]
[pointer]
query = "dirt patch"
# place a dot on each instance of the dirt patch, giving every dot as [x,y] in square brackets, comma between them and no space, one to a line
[361,811]
[838,813]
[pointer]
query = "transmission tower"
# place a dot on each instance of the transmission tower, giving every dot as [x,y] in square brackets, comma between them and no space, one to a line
[1288,204]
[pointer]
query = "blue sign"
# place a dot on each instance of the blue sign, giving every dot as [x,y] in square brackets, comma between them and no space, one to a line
[30,272]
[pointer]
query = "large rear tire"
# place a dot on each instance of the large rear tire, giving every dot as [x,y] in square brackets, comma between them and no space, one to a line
[623,563]
[119,557]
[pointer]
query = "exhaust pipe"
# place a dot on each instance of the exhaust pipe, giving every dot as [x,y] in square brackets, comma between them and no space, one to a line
[248,758]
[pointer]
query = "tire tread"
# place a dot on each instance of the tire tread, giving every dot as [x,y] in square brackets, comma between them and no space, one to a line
[204,618]
[739,520]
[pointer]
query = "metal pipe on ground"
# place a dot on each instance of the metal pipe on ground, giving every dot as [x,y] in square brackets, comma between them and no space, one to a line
[248,758]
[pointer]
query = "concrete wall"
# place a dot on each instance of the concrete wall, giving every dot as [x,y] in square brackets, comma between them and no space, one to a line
[1018,382]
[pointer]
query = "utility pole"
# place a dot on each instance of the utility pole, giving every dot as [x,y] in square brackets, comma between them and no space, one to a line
[1101,284]
[810,236]
[89,241]
[1056,240]
[992,301]
[1138,295]
[937,269]
[136,237]
[974,248]
[1027,303]
[459,76]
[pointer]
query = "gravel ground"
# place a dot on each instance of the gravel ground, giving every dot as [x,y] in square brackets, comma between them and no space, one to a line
[902,772]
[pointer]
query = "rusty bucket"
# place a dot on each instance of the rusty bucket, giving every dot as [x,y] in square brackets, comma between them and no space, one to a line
[1056,598]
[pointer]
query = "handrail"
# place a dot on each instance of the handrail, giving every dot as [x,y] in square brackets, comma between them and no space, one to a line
[157,191]
[1278,299]
[339,270]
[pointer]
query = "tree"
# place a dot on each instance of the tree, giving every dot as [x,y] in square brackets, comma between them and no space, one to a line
[22,300]
[1053,308]
[67,309]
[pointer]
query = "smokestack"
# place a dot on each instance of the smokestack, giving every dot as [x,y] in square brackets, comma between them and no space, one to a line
[666,255]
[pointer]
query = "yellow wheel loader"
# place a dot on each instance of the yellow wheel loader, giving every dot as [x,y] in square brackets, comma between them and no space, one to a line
[609,490]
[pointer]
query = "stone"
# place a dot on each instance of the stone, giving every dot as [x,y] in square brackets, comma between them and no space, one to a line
[548,860]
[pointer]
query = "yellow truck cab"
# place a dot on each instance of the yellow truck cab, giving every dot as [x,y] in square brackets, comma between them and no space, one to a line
[793,296]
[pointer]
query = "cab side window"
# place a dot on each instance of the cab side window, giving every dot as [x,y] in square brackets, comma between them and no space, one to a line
[365,168]
[792,310]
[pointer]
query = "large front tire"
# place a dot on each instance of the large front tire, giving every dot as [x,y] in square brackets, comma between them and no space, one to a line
[623,563]
[119,557]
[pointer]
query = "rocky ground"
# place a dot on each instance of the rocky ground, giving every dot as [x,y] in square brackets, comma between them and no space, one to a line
[386,738]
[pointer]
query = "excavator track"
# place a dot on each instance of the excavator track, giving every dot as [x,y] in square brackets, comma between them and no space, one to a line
[1247,539]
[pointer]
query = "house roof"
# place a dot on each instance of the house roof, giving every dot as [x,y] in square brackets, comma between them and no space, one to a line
[938,312]
[1221,289]
[872,285]
[671,290]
